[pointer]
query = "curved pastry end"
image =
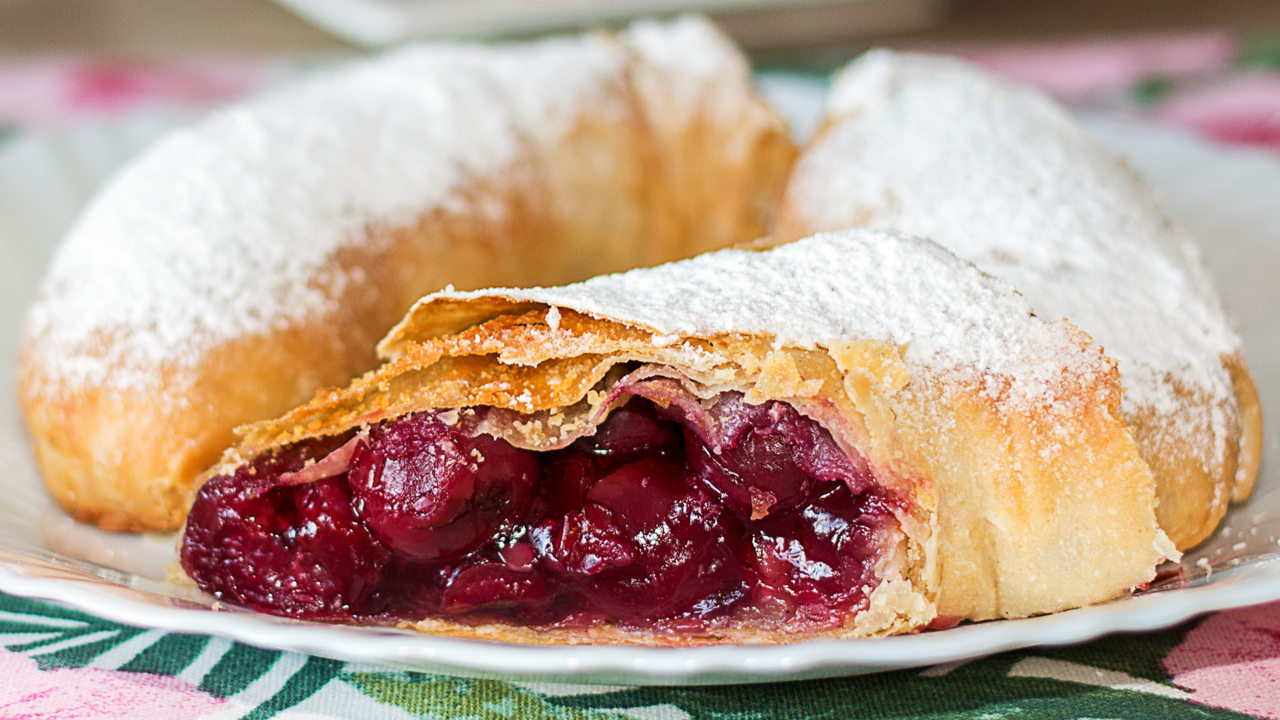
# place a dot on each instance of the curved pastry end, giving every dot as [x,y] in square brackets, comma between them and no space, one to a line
[1250,451]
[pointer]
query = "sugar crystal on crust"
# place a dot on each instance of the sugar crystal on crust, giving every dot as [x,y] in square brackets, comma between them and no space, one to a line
[871,284]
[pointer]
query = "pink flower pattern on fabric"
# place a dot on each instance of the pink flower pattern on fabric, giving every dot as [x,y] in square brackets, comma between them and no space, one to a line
[29,693]
[1244,110]
[1088,71]
[1232,661]
[1199,86]
[55,92]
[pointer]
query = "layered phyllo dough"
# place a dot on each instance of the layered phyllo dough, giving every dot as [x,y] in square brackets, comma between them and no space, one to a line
[855,434]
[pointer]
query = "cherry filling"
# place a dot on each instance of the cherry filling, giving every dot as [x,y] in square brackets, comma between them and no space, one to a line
[672,516]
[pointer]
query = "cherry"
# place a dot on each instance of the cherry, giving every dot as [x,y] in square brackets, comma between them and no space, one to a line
[631,432]
[755,470]
[408,590]
[297,550]
[566,477]
[675,514]
[431,494]
[645,545]
[818,560]
[584,542]
[494,587]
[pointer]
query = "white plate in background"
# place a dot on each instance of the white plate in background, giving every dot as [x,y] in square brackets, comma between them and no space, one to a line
[1230,199]
[754,23]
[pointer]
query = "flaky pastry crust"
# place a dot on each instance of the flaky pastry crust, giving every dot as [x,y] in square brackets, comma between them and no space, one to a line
[1008,180]
[125,417]
[1016,509]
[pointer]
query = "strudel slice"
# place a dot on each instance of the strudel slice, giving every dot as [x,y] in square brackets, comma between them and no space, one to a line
[1006,179]
[855,434]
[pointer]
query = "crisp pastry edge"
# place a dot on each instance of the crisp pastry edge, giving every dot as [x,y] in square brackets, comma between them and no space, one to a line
[959,567]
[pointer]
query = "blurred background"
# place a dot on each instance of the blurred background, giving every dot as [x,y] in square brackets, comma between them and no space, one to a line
[1211,67]
[768,27]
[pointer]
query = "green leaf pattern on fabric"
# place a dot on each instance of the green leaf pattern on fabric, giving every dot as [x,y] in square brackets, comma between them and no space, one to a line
[982,689]
[433,696]
[239,668]
[62,638]
[1116,677]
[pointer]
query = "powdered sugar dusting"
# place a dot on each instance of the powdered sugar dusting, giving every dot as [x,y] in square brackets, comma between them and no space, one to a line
[855,284]
[219,230]
[700,69]
[1006,179]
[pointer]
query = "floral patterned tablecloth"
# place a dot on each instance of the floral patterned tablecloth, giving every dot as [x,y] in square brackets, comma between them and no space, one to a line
[60,663]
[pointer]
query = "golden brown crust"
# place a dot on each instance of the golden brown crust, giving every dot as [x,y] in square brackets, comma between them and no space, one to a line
[1250,443]
[1030,198]
[1025,504]
[1204,453]
[1192,497]
[619,190]
[1014,511]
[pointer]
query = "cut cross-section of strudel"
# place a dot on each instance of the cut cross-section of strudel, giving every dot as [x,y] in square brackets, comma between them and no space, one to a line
[1006,179]
[855,434]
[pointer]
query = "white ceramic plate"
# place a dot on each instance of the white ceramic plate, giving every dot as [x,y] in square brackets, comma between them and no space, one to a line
[1229,198]
[766,22]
